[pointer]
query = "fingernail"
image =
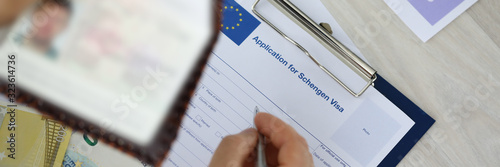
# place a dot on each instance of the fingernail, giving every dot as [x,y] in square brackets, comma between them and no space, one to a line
[249,133]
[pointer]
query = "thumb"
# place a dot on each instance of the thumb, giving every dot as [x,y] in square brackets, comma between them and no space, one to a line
[235,149]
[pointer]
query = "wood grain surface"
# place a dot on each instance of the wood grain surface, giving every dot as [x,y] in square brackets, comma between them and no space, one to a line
[454,77]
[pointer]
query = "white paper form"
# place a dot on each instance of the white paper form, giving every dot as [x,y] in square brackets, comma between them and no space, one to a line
[341,130]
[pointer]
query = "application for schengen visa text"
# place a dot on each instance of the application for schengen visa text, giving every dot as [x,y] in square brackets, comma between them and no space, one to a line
[252,66]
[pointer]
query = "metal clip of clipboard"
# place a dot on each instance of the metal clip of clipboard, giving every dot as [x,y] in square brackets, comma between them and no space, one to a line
[364,70]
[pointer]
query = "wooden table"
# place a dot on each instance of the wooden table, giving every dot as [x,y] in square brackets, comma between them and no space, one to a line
[454,77]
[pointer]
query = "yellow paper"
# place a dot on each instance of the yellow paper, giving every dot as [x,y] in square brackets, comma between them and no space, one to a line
[27,139]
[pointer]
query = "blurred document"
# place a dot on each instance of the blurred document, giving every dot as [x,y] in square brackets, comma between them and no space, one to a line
[427,17]
[116,64]
[252,65]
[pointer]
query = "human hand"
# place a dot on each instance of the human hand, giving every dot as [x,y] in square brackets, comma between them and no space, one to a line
[284,146]
[9,10]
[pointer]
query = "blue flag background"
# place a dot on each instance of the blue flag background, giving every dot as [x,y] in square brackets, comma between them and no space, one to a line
[237,23]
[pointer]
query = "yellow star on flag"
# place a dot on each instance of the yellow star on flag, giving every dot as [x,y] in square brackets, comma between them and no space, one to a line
[2,155]
[78,163]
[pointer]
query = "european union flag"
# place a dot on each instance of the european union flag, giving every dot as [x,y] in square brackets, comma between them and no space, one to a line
[237,23]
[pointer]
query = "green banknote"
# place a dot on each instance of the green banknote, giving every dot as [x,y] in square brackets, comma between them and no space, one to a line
[85,151]
[28,139]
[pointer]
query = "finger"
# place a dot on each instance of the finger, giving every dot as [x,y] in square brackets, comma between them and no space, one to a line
[271,154]
[276,130]
[294,153]
[289,148]
[235,149]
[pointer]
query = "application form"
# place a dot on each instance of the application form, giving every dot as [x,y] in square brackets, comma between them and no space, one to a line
[262,69]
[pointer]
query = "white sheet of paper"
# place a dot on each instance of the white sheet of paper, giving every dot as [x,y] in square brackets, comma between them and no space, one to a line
[427,17]
[349,132]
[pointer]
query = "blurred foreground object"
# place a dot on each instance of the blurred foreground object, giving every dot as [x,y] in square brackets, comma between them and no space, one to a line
[121,71]
[10,9]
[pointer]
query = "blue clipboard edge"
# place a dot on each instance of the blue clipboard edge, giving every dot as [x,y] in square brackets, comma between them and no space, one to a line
[423,122]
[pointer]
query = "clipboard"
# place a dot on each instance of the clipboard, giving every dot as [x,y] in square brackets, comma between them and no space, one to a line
[322,33]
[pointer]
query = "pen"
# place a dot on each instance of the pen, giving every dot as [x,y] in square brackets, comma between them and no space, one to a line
[261,157]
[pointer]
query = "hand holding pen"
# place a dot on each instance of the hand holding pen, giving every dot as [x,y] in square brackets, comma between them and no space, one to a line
[284,146]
